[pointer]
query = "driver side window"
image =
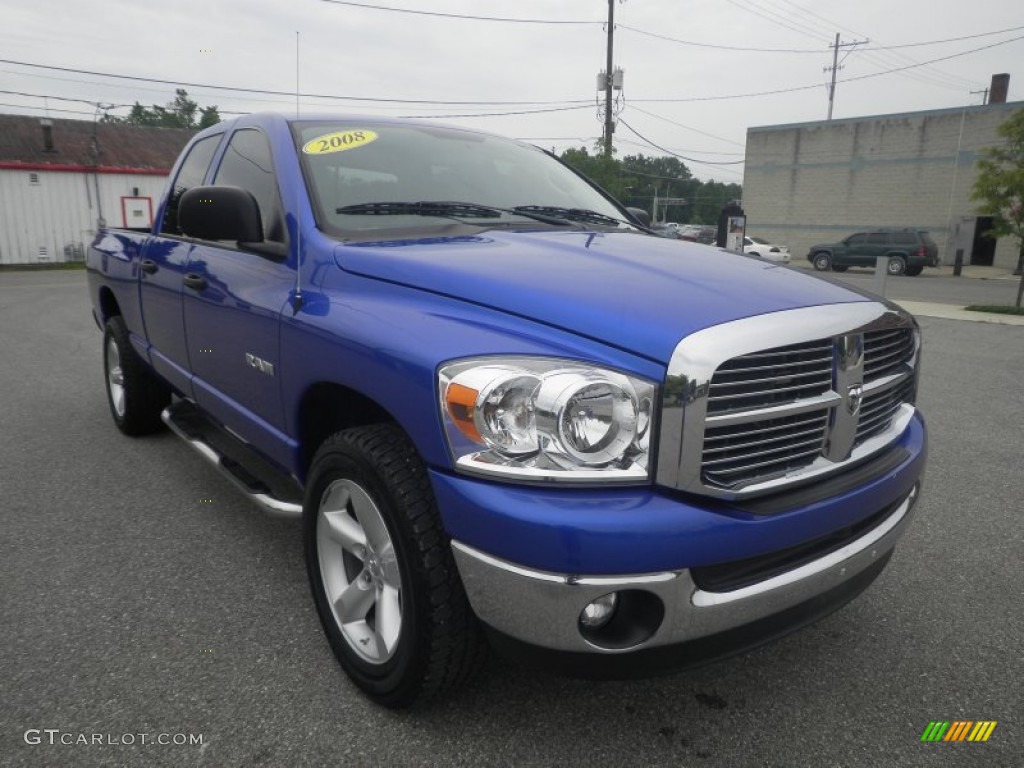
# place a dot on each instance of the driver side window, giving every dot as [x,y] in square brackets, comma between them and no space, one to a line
[247,163]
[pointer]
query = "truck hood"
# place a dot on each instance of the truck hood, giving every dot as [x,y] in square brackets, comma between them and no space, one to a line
[639,293]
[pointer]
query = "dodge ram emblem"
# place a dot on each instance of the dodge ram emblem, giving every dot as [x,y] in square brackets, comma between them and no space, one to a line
[854,396]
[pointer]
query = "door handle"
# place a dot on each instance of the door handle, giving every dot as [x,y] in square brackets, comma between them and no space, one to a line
[149,266]
[195,282]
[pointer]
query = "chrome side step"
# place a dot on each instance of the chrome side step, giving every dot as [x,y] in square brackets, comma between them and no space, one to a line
[229,456]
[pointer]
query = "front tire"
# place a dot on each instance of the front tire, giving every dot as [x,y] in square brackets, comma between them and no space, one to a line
[135,396]
[822,262]
[381,570]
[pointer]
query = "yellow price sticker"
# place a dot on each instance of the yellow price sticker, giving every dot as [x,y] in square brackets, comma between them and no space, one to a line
[338,141]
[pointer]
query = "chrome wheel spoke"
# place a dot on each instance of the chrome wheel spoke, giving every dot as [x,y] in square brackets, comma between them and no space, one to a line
[346,532]
[389,566]
[354,602]
[389,618]
[369,518]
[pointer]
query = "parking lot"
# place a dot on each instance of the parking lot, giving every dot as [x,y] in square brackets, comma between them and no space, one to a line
[141,594]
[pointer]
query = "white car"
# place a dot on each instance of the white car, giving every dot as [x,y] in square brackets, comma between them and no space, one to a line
[758,246]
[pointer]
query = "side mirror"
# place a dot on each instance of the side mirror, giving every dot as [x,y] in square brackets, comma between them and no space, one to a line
[220,213]
[641,215]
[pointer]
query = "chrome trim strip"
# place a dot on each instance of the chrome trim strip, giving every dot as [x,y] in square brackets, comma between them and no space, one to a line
[509,473]
[684,414]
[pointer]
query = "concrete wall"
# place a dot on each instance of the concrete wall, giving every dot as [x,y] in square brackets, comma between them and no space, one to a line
[54,218]
[818,182]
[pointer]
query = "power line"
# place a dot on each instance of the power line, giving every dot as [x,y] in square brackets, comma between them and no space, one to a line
[264,91]
[687,127]
[818,85]
[460,15]
[816,51]
[497,114]
[674,154]
[48,109]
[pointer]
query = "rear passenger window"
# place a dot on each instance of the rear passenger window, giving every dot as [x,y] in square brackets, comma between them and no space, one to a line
[904,238]
[878,238]
[247,163]
[191,174]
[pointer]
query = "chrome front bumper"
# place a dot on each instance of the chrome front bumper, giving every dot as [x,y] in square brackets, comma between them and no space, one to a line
[542,609]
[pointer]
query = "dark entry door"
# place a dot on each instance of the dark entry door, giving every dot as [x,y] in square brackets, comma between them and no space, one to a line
[983,249]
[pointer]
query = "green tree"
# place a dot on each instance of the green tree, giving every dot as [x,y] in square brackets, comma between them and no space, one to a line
[635,180]
[180,113]
[604,171]
[999,188]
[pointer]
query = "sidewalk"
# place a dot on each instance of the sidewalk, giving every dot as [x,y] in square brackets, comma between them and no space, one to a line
[953,312]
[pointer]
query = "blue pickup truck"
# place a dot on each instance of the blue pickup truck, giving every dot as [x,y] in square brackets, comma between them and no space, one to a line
[505,412]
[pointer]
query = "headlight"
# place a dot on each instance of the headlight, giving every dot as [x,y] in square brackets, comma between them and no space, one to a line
[542,420]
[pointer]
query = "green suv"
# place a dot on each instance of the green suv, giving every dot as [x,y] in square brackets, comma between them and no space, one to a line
[909,251]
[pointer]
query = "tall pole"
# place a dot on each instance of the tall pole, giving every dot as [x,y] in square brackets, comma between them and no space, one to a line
[608,82]
[835,67]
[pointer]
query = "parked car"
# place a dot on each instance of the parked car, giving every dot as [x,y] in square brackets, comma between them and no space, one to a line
[500,409]
[758,246]
[669,230]
[909,251]
[699,233]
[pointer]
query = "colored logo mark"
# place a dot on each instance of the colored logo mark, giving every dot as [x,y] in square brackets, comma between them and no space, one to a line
[959,730]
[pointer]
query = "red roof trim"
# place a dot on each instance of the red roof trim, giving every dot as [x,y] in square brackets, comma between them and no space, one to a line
[14,165]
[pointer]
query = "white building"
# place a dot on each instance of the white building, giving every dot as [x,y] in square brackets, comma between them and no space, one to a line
[818,182]
[60,178]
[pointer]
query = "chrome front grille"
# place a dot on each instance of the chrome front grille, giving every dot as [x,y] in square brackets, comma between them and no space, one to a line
[877,410]
[732,453]
[773,376]
[754,416]
[886,351]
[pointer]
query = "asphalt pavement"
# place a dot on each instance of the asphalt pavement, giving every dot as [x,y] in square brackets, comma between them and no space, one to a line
[141,597]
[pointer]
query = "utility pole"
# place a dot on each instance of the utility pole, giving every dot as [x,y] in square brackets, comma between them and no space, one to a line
[608,125]
[836,67]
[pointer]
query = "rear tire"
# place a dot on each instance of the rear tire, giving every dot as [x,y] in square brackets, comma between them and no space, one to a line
[136,397]
[897,265]
[822,261]
[381,570]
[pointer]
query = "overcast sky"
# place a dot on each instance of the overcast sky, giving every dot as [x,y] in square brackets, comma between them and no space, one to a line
[351,51]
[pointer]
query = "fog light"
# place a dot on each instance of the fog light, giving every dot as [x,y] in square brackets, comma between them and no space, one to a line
[599,612]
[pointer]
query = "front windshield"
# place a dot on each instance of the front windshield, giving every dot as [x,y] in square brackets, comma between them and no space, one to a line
[360,165]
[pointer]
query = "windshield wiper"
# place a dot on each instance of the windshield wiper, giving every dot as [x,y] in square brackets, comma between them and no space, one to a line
[445,208]
[574,214]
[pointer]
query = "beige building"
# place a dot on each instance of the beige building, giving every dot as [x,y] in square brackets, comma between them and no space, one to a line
[818,182]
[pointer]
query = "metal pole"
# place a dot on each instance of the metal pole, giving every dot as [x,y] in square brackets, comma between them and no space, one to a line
[835,67]
[952,186]
[608,82]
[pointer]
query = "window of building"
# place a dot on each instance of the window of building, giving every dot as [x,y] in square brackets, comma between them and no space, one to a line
[191,174]
[247,163]
[33,179]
